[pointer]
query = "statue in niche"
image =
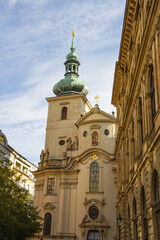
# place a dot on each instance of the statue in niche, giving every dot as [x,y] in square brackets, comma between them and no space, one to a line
[46,154]
[75,143]
[69,143]
[42,156]
[95,138]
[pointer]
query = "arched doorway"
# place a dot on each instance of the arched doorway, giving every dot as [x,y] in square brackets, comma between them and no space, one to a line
[93,235]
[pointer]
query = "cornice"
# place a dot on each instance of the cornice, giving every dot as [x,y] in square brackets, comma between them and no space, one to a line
[124,47]
[139,68]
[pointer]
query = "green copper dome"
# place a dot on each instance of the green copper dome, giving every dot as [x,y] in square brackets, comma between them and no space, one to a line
[71,84]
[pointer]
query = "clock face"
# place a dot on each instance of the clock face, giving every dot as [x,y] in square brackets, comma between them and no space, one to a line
[93,212]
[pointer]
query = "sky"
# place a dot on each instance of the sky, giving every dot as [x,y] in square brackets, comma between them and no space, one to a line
[35,38]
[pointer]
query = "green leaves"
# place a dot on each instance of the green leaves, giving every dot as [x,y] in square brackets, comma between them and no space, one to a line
[18,218]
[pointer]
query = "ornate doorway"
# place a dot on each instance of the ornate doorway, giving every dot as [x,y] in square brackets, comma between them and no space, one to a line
[93,235]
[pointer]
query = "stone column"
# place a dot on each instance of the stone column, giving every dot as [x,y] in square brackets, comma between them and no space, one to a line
[123,163]
[150,217]
[61,210]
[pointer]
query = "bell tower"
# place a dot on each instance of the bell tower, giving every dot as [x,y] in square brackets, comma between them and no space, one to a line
[66,108]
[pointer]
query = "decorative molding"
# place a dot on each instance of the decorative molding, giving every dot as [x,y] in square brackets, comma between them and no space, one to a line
[49,206]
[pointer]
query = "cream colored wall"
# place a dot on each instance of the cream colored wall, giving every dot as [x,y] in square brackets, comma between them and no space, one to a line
[72,183]
[106,142]
[58,129]
[107,192]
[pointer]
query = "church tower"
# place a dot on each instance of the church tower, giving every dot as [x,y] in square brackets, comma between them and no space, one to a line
[75,180]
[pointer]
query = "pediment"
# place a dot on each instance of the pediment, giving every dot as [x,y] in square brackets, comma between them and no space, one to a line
[49,206]
[96,115]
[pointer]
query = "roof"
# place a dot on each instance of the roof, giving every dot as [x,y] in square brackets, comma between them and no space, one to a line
[124,47]
[99,116]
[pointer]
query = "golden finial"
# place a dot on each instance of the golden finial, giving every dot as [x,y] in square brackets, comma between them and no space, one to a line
[73,33]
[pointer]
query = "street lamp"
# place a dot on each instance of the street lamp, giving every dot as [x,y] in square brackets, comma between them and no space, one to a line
[119,223]
[102,232]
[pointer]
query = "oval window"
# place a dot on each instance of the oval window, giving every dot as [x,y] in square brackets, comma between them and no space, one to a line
[106,132]
[61,142]
[85,134]
[93,212]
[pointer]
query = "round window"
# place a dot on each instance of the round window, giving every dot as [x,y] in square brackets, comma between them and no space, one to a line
[61,142]
[85,134]
[106,132]
[93,212]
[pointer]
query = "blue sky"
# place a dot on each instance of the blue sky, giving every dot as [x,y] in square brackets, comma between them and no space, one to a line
[34,41]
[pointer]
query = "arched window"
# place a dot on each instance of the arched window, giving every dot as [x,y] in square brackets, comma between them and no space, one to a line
[94,177]
[156,204]
[144,215]
[93,235]
[95,138]
[47,224]
[135,230]
[152,90]
[64,113]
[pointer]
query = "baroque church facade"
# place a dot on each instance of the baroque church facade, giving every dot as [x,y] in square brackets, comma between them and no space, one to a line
[75,187]
[136,95]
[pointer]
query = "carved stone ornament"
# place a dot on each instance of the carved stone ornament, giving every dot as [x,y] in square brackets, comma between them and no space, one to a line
[49,206]
[68,185]
[150,159]
[86,219]
[38,187]
[72,144]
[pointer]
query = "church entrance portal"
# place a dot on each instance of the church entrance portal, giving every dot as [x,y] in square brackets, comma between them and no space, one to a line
[93,235]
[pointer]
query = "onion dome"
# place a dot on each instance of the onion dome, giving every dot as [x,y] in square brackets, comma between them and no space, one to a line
[71,84]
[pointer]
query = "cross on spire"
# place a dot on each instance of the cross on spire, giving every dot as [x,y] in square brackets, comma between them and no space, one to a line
[96,98]
[73,34]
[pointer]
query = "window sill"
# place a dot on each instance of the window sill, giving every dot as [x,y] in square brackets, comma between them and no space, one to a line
[94,192]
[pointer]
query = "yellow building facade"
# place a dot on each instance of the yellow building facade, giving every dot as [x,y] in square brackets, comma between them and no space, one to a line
[21,164]
[76,180]
[136,95]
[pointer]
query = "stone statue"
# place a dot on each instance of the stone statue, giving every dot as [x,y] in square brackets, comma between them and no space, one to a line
[95,138]
[69,143]
[46,154]
[42,156]
[75,143]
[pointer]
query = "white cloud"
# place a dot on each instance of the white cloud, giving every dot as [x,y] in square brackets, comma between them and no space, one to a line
[36,37]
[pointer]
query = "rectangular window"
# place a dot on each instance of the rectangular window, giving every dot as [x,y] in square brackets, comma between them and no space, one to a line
[18,165]
[50,185]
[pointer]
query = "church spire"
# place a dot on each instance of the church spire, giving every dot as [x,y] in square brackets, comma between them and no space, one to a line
[71,84]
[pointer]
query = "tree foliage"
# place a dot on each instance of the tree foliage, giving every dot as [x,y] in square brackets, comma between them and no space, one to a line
[18,218]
